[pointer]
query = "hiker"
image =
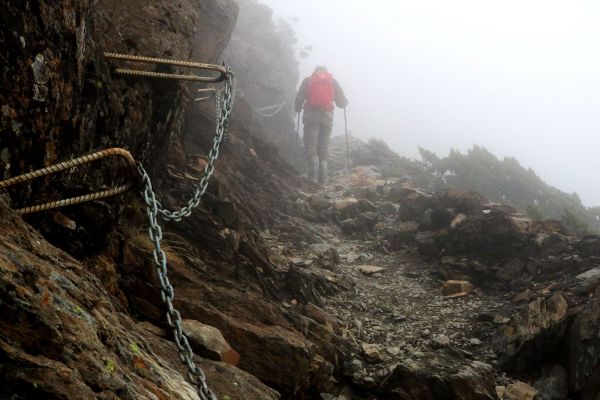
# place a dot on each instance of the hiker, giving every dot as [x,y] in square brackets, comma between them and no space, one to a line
[317,93]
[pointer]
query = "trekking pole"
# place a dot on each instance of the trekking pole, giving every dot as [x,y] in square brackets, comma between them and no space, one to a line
[347,145]
[297,136]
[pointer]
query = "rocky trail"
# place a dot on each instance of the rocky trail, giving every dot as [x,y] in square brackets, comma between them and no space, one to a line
[391,305]
[374,287]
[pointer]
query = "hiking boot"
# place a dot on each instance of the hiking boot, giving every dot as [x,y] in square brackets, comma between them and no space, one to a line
[313,168]
[316,168]
[322,172]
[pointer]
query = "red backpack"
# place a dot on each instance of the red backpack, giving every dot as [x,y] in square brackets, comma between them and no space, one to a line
[320,92]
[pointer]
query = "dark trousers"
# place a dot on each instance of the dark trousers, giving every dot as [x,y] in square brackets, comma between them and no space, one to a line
[317,133]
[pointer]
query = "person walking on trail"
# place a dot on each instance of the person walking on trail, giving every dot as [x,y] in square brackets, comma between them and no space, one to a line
[318,93]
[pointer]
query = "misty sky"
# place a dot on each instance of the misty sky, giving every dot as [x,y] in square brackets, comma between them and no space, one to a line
[519,77]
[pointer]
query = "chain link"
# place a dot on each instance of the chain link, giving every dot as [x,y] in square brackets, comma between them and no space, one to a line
[224,105]
[195,375]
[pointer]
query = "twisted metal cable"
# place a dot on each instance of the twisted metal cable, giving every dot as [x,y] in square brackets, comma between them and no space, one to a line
[64,165]
[223,72]
[74,200]
[68,165]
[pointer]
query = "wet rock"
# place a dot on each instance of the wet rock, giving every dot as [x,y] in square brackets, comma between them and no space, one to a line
[551,243]
[401,235]
[208,342]
[457,288]
[584,349]
[319,203]
[533,333]
[440,218]
[413,204]
[553,385]
[463,202]
[464,269]
[387,208]
[441,376]
[520,391]
[426,244]
[352,208]
[347,208]
[319,315]
[488,236]
[352,366]
[588,281]
[364,223]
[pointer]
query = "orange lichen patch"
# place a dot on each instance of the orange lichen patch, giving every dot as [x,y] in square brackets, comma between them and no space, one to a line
[138,362]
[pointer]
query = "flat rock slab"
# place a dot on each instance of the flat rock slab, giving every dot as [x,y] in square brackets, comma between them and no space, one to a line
[455,288]
[370,269]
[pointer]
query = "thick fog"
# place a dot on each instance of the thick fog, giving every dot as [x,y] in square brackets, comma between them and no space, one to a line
[519,77]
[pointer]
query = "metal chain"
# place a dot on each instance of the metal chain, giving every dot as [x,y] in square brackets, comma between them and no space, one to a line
[186,355]
[224,105]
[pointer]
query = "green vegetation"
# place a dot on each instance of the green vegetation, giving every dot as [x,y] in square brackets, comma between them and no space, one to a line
[135,349]
[499,180]
[110,366]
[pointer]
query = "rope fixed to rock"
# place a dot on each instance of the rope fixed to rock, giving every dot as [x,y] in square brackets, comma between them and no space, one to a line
[224,103]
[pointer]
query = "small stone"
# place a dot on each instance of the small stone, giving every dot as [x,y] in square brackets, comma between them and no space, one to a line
[370,269]
[351,257]
[475,342]
[457,288]
[500,390]
[371,352]
[520,391]
[352,366]
[64,221]
[459,219]
[393,350]
[500,320]
[426,333]
[441,340]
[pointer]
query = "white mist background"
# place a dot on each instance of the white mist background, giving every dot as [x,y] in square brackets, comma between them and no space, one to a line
[518,77]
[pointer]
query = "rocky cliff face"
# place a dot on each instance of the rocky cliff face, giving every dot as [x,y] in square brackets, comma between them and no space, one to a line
[263,53]
[60,100]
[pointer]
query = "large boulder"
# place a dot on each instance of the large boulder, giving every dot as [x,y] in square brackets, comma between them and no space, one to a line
[441,376]
[208,342]
[491,236]
[463,202]
[362,224]
[533,334]
[413,203]
[400,235]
